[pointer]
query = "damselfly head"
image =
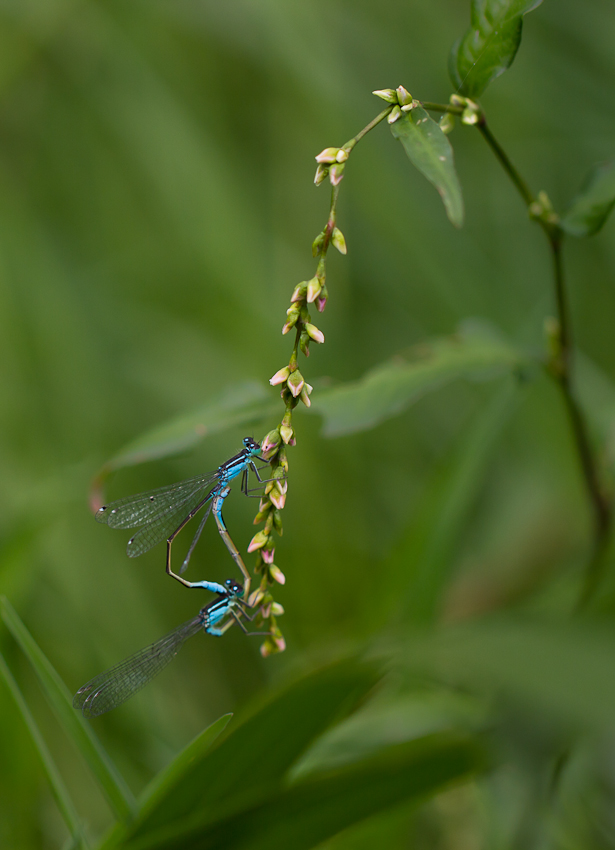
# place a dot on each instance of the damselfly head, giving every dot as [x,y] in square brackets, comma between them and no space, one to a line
[233,587]
[251,444]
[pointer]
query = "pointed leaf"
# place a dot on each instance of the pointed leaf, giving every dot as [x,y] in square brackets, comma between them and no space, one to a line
[490,44]
[317,808]
[168,778]
[591,208]
[255,756]
[111,782]
[393,387]
[430,151]
[58,788]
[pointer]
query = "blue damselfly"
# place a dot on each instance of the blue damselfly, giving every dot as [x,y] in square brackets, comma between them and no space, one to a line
[162,513]
[119,683]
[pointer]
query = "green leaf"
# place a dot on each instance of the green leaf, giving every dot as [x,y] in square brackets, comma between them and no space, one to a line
[256,755]
[172,775]
[430,151]
[565,671]
[591,208]
[490,44]
[318,808]
[58,788]
[111,782]
[390,389]
[236,405]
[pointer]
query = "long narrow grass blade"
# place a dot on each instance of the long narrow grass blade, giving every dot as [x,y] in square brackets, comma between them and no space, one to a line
[118,794]
[58,788]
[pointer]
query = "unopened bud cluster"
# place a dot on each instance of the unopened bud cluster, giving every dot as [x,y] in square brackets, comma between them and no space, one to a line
[401,99]
[293,389]
[472,113]
[269,511]
[331,163]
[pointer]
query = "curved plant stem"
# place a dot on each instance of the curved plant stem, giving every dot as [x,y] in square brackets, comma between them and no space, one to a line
[560,366]
[373,123]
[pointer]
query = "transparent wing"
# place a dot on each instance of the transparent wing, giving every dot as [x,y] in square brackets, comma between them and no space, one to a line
[164,525]
[143,508]
[115,686]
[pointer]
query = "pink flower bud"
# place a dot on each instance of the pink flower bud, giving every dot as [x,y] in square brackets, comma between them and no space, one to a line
[295,382]
[321,303]
[277,499]
[327,156]
[336,172]
[299,292]
[267,555]
[277,574]
[267,647]
[270,443]
[259,540]
[280,643]
[280,376]
[315,334]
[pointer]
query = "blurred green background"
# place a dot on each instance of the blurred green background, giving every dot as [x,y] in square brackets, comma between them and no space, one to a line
[156,210]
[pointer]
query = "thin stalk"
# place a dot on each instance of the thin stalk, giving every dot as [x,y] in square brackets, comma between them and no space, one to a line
[512,172]
[373,123]
[441,107]
[561,370]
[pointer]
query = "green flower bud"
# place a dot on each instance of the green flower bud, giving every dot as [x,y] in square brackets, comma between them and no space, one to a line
[314,333]
[403,96]
[394,114]
[338,241]
[447,122]
[277,574]
[313,290]
[317,243]
[283,460]
[390,95]
[322,172]
[287,434]
[336,173]
[259,540]
[295,382]
[328,156]
[299,292]
[304,343]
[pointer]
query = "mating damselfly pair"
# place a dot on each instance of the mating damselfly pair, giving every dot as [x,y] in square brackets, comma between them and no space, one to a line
[160,515]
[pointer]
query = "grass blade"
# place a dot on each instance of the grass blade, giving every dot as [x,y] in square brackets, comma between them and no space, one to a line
[119,796]
[58,788]
[316,809]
